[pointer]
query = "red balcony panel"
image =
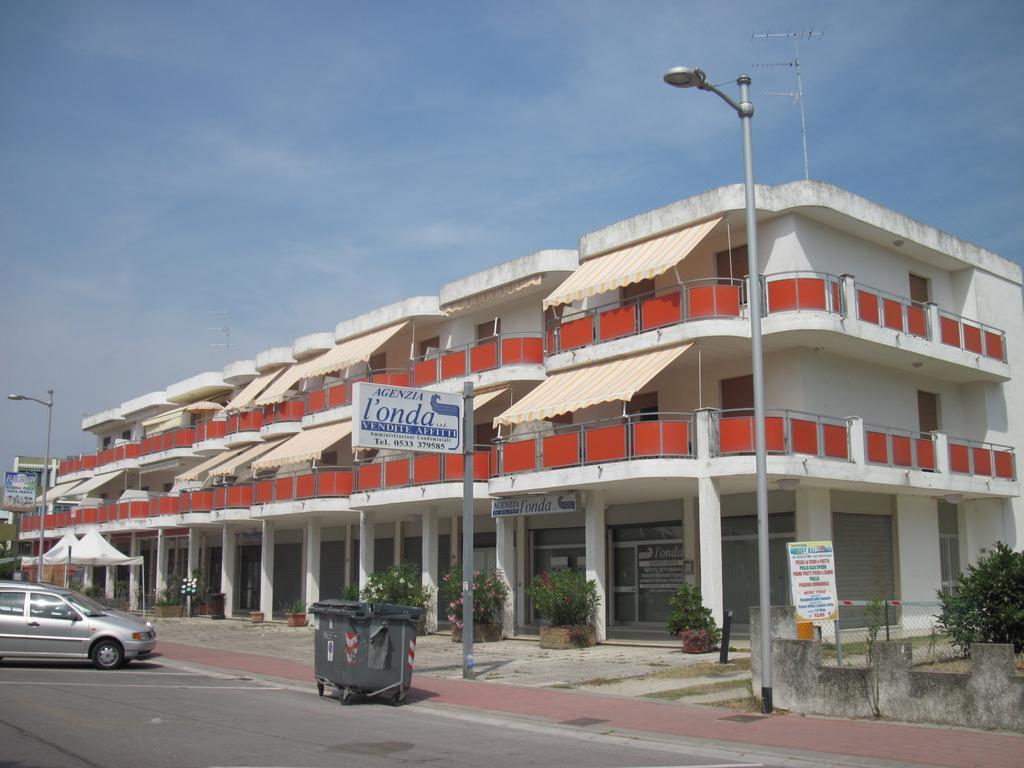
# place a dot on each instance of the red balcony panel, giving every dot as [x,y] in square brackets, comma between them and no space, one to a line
[577,333]
[483,357]
[811,293]
[232,424]
[713,301]
[804,436]
[982,459]
[88,462]
[396,473]
[91,515]
[216,430]
[522,350]
[202,501]
[139,509]
[164,505]
[317,399]
[124,510]
[877,447]
[185,438]
[264,491]
[561,450]
[867,307]
[391,378]
[284,488]
[338,395]
[305,487]
[736,434]
[837,301]
[481,466]
[892,314]
[453,365]
[901,451]
[775,434]
[220,496]
[782,295]
[250,421]
[493,460]
[617,322]
[836,441]
[338,482]
[675,438]
[424,372]
[959,459]
[993,345]
[949,331]
[132,451]
[659,311]
[925,453]
[370,476]
[519,456]
[605,443]
[551,341]
[453,464]
[917,323]
[240,496]
[972,339]
[1004,464]
[426,469]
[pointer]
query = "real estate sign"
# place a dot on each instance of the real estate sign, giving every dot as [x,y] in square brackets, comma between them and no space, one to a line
[405,419]
[812,579]
[517,506]
[20,491]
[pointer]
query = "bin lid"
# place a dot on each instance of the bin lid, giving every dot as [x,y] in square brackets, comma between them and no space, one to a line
[413,612]
[335,606]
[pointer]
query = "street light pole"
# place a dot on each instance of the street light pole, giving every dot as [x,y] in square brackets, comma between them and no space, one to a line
[46,473]
[685,77]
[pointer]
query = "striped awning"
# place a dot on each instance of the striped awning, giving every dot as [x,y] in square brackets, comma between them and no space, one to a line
[59,490]
[482,399]
[342,355]
[580,388]
[200,471]
[165,421]
[629,265]
[489,295]
[307,445]
[241,460]
[203,406]
[252,390]
[94,483]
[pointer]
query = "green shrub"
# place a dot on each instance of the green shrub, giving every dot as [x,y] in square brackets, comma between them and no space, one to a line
[400,585]
[169,595]
[351,592]
[988,603]
[688,612]
[489,595]
[565,598]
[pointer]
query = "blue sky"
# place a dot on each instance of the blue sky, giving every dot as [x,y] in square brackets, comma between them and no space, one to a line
[300,163]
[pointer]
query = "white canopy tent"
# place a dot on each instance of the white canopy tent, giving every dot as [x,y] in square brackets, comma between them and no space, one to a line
[57,554]
[94,550]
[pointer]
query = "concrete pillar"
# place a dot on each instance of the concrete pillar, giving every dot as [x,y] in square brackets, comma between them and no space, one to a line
[195,538]
[161,561]
[431,579]
[703,433]
[366,539]
[522,577]
[597,567]
[312,590]
[982,525]
[87,576]
[709,504]
[850,299]
[267,570]
[917,536]
[134,573]
[858,450]
[691,552]
[108,589]
[455,549]
[396,541]
[228,568]
[813,514]
[931,313]
[506,561]
[941,453]
[348,555]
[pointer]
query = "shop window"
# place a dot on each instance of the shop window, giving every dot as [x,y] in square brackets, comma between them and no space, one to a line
[488,330]
[920,289]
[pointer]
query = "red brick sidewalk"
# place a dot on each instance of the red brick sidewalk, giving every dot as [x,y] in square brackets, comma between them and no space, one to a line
[883,741]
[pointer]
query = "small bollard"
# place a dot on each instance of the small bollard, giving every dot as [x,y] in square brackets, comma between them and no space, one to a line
[723,652]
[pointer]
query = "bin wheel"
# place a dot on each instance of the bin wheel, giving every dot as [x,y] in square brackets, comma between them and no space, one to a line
[320,689]
[398,698]
[345,697]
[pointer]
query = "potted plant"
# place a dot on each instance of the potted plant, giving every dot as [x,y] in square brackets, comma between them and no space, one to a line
[399,585]
[351,592]
[692,622]
[296,612]
[168,602]
[569,601]
[256,617]
[490,591]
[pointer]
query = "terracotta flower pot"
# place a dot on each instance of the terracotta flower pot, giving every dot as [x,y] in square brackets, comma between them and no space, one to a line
[482,633]
[256,617]
[695,640]
[564,638]
[296,619]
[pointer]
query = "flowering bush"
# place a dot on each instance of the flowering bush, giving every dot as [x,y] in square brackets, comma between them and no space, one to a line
[489,595]
[399,585]
[565,598]
[689,613]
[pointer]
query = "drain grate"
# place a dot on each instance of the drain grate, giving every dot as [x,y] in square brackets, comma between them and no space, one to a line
[743,718]
[583,722]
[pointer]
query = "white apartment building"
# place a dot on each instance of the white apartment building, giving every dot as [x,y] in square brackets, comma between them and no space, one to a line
[621,374]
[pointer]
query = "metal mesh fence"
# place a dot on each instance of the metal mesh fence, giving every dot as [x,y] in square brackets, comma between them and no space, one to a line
[912,622]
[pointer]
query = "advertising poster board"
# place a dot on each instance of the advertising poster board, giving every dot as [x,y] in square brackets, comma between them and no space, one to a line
[405,419]
[812,579]
[20,491]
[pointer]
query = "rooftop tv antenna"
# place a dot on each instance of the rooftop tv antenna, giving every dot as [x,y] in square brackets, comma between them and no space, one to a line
[798,96]
[226,330]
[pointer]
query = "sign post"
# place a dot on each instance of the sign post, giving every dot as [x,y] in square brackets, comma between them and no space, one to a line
[467,532]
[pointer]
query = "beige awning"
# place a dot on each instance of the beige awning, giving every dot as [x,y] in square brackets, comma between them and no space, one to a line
[165,421]
[59,490]
[94,483]
[490,295]
[582,387]
[340,356]
[479,401]
[199,471]
[251,390]
[203,406]
[307,445]
[236,463]
[631,264]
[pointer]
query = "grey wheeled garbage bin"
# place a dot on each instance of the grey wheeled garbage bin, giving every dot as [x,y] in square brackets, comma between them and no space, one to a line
[364,648]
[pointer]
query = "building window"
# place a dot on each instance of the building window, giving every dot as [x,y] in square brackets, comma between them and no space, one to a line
[378,361]
[732,263]
[429,347]
[488,330]
[126,435]
[738,393]
[920,290]
[106,442]
[927,411]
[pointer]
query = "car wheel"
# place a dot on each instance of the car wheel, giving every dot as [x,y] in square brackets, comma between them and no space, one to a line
[108,654]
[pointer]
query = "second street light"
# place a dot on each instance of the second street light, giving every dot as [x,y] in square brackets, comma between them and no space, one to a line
[685,77]
[46,473]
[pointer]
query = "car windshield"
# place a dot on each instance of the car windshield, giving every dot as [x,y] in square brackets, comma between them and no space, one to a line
[86,605]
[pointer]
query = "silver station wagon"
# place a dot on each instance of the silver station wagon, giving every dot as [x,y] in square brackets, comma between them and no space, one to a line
[44,621]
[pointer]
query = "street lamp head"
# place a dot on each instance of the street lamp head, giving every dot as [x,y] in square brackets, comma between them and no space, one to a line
[685,77]
[15,397]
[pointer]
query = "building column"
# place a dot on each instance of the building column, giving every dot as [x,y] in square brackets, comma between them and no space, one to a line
[858,451]
[311,593]
[396,541]
[161,561]
[228,568]
[596,557]
[267,570]
[365,548]
[813,514]
[134,550]
[347,577]
[917,536]
[108,589]
[87,576]
[506,561]
[709,512]
[522,577]
[850,299]
[981,525]
[455,548]
[430,578]
[195,538]
[691,551]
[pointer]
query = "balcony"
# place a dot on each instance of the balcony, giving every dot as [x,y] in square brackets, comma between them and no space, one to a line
[212,429]
[168,441]
[971,336]
[339,395]
[477,357]
[244,427]
[406,469]
[121,452]
[785,433]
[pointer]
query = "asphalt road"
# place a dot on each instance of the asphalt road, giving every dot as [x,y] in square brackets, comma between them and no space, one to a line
[154,714]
